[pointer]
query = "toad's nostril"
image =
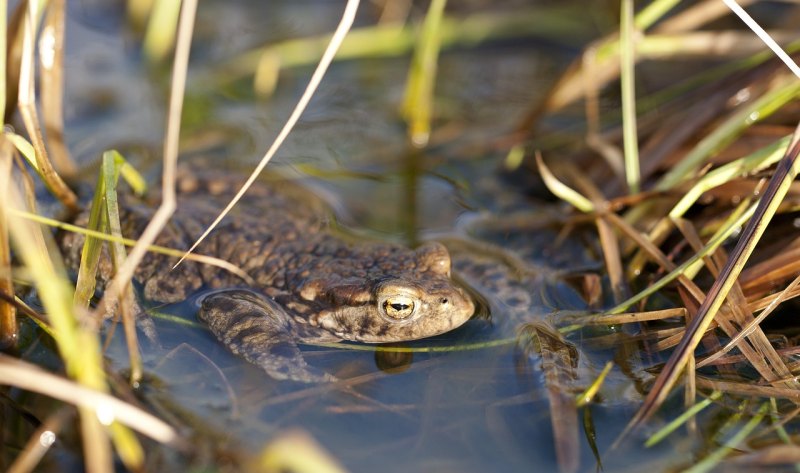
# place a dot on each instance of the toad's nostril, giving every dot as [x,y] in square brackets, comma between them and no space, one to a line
[445,301]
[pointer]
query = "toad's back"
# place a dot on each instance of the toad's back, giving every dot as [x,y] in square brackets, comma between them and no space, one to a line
[308,283]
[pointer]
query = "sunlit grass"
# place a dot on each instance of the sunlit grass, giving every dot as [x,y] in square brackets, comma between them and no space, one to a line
[393,40]
[417,107]
[672,197]
[627,83]
[650,220]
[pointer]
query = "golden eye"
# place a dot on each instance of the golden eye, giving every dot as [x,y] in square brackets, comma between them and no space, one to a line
[398,307]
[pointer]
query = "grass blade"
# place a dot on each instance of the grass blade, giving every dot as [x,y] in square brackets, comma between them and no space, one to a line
[561,190]
[8,313]
[765,106]
[112,161]
[682,419]
[51,60]
[717,455]
[418,103]
[27,108]
[77,345]
[627,81]
[161,29]
[32,378]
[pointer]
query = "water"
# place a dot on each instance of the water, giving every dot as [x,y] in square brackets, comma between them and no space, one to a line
[481,407]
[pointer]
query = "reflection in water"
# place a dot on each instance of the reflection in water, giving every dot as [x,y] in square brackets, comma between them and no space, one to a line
[393,361]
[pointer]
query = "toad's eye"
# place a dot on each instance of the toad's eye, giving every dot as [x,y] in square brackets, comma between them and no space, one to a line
[398,307]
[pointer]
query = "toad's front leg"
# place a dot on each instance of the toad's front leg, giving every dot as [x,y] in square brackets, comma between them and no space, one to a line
[259,330]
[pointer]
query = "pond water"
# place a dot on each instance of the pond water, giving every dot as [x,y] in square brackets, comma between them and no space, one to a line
[479,403]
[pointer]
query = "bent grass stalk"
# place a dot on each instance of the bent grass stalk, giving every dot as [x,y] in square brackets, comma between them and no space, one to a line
[51,61]
[27,107]
[220,263]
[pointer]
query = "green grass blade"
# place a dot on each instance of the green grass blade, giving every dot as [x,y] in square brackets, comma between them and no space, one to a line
[112,162]
[729,130]
[653,12]
[627,79]
[77,344]
[161,29]
[92,248]
[687,267]
[682,419]
[417,107]
[709,462]
[24,147]
[561,190]
[753,162]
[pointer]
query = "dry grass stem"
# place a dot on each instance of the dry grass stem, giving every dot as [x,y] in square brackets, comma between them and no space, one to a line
[40,442]
[749,389]
[767,274]
[696,16]
[763,36]
[753,324]
[27,108]
[8,316]
[108,408]
[608,239]
[175,253]
[594,139]
[51,60]
[633,317]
